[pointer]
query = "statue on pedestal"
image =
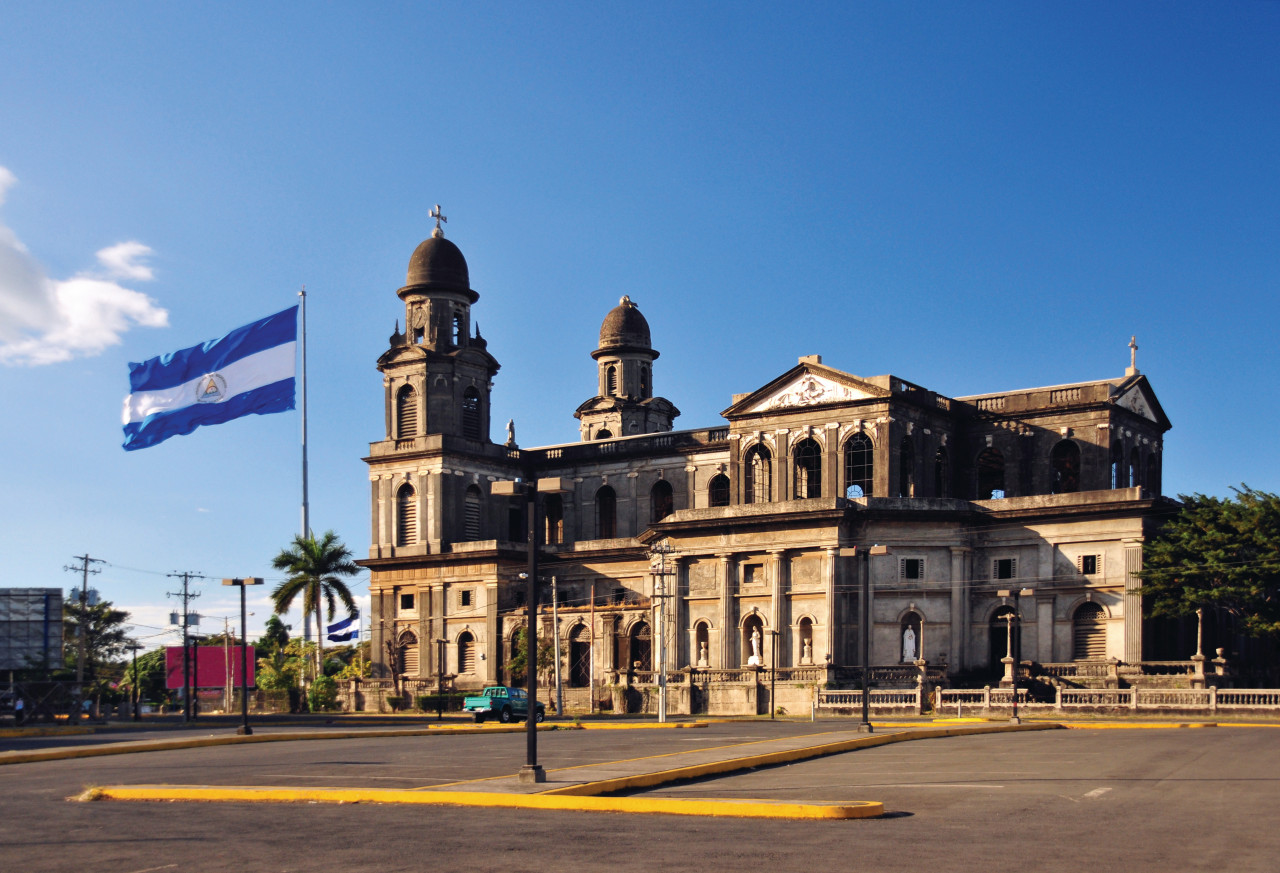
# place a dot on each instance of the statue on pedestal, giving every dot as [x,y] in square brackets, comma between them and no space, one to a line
[754,660]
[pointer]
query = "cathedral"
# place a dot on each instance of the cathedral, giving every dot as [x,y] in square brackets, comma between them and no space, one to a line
[755,534]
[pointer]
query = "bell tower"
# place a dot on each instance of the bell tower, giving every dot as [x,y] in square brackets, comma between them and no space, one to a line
[438,373]
[624,404]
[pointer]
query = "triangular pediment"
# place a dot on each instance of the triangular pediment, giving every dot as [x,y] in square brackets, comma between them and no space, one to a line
[1136,396]
[806,385]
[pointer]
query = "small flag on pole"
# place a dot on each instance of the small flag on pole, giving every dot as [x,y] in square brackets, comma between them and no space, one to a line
[250,371]
[343,632]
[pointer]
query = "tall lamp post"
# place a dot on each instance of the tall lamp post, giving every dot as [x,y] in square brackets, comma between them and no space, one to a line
[530,488]
[773,674]
[244,729]
[658,554]
[133,647]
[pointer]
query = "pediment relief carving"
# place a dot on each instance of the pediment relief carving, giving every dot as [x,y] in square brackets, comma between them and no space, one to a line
[809,389]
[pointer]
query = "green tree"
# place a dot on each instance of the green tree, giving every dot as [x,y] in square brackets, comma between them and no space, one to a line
[315,569]
[1218,554]
[105,641]
[517,664]
[275,636]
[150,677]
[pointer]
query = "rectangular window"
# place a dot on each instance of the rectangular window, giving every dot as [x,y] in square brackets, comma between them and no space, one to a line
[406,602]
[1004,568]
[464,597]
[752,574]
[911,568]
[1089,565]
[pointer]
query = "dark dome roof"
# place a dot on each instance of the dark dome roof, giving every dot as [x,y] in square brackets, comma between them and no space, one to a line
[440,263]
[624,327]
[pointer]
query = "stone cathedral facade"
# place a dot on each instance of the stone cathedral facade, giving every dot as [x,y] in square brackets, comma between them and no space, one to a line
[1048,491]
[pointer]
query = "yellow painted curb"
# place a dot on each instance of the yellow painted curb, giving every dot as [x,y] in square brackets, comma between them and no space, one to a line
[1136,726]
[649,805]
[769,759]
[50,731]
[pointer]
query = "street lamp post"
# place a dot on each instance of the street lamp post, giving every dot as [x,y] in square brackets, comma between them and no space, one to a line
[134,645]
[531,771]
[773,674]
[440,644]
[658,567]
[244,729]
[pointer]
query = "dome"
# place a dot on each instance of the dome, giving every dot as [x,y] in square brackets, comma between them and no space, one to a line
[624,328]
[440,263]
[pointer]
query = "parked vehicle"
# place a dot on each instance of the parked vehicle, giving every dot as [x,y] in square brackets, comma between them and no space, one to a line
[503,703]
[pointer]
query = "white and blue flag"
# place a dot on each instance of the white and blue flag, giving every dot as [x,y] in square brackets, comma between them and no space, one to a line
[250,371]
[342,631]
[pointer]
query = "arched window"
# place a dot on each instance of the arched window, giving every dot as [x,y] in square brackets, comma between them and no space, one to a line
[407,652]
[406,515]
[646,381]
[1117,466]
[909,635]
[604,434]
[1065,459]
[806,641]
[406,413]
[471,514]
[466,652]
[1153,473]
[471,414]
[1088,633]
[611,380]
[907,467]
[553,519]
[859,466]
[990,475]
[758,476]
[641,646]
[606,513]
[941,473]
[459,329]
[1135,468]
[718,490]
[808,469]
[661,500]
[579,657]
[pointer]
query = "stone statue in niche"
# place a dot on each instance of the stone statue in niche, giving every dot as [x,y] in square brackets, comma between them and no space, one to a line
[511,433]
[806,652]
[908,646]
[754,660]
[702,653]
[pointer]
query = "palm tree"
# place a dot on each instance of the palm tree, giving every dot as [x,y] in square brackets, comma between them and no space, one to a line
[315,569]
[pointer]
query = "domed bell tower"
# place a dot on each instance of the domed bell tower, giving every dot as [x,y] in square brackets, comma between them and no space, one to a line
[438,373]
[624,404]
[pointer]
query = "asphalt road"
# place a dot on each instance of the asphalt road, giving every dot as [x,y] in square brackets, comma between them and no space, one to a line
[1148,800]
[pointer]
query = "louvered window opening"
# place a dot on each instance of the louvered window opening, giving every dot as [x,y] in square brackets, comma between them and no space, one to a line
[466,654]
[1089,634]
[471,517]
[471,415]
[406,413]
[406,517]
[409,655]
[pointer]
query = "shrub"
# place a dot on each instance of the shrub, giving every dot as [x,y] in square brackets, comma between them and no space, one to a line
[323,694]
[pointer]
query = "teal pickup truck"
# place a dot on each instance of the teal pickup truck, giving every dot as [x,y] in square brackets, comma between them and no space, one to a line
[502,703]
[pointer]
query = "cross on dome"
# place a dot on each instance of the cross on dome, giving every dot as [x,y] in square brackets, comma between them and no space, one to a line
[439,217]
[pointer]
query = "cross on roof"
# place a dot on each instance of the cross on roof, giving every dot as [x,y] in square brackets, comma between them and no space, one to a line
[438,216]
[1133,355]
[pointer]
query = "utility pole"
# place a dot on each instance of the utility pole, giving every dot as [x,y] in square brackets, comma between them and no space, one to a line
[84,570]
[187,596]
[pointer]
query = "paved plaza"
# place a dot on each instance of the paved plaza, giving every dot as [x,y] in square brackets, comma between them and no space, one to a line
[1162,799]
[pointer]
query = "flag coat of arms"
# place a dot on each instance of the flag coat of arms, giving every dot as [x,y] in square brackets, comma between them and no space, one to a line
[342,631]
[250,371]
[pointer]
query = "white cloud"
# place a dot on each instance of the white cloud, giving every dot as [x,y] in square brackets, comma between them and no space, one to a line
[44,320]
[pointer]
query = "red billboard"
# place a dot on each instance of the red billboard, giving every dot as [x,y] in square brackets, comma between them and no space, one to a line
[211,667]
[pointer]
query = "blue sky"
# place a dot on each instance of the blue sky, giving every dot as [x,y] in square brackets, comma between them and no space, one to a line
[975,197]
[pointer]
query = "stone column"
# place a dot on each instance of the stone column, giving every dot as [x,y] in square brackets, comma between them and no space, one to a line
[1044,627]
[677,582]
[782,466]
[831,462]
[691,485]
[434,518]
[1132,601]
[375,516]
[777,605]
[492,633]
[728,632]
[829,592]
[735,470]
[961,608]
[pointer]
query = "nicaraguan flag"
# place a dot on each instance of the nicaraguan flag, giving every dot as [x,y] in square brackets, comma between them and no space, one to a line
[342,631]
[250,371]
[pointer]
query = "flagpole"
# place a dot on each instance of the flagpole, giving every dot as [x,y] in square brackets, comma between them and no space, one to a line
[306,521]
